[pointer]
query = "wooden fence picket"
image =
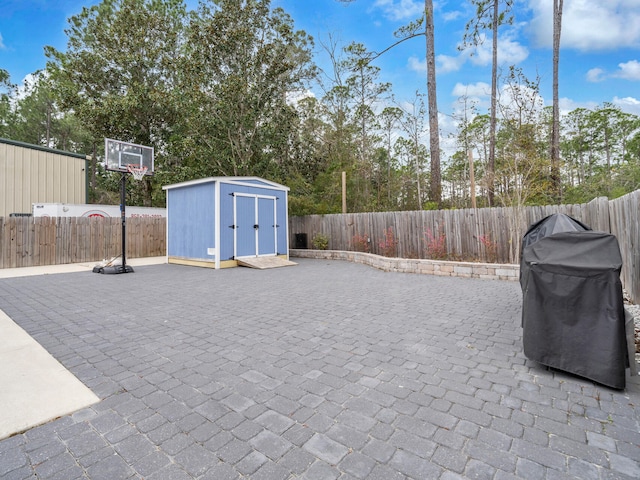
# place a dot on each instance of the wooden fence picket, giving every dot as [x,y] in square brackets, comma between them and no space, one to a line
[29,242]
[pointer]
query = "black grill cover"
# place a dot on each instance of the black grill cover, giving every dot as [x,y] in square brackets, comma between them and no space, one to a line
[572,310]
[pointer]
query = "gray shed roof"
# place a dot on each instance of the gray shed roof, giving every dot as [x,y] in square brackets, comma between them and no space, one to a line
[244,181]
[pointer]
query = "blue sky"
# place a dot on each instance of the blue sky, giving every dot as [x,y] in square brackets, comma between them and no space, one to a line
[599,60]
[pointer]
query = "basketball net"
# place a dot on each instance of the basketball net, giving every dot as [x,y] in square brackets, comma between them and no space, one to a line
[137,171]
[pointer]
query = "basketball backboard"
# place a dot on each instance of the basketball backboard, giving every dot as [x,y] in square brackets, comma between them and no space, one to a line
[119,155]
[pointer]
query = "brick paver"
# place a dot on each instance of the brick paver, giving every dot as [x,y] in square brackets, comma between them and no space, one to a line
[326,370]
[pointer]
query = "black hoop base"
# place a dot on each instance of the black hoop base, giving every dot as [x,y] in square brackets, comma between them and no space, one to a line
[113,269]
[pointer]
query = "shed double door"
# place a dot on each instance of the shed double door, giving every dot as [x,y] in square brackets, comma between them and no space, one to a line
[256,227]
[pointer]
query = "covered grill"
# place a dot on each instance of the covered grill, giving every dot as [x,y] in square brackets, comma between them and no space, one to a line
[572,313]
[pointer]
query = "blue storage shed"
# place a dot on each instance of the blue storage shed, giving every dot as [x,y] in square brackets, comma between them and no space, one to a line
[214,222]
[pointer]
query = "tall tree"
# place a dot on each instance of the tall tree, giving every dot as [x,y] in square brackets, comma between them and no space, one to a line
[35,112]
[522,165]
[522,160]
[367,94]
[340,142]
[601,151]
[34,117]
[611,130]
[412,157]
[475,137]
[456,178]
[555,128]
[243,60]
[7,90]
[434,131]
[575,146]
[489,17]
[425,26]
[118,71]
[462,161]
[413,126]
[389,119]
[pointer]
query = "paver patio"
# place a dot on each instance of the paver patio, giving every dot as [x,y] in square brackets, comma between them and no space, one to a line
[326,370]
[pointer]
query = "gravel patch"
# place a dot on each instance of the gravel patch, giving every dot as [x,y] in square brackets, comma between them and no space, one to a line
[634,310]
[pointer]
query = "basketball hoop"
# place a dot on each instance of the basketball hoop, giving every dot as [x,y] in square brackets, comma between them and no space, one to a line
[138,171]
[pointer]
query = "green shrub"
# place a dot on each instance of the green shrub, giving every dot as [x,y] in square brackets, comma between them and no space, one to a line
[320,241]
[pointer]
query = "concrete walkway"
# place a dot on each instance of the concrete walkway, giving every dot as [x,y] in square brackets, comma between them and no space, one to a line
[326,370]
[36,388]
[71,267]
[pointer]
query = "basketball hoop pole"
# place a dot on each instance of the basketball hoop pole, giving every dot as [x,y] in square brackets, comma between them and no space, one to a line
[123,195]
[124,268]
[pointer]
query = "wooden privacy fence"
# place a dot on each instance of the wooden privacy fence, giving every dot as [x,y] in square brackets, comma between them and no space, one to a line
[491,235]
[625,225]
[35,241]
[484,234]
[488,234]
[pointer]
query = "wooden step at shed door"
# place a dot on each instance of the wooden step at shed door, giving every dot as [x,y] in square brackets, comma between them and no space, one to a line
[264,262]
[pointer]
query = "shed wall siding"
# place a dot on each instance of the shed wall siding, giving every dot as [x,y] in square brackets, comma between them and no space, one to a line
[191,221]
[32,176]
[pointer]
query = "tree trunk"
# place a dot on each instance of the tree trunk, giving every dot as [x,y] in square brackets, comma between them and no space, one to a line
[93,164]
[48,134]
[555,128]
[434,131]
[472,179]
[491,167]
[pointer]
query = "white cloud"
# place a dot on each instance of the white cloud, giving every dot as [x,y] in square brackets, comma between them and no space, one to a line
[446,63]
[478,89]
[595,75]
[401,9]
[2,46]
[450,16]
[480,54]
[447,124]
[629,70]
[568,105]
[588,25]
[628,104]
[509,51]
[471,99]
[418,65]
